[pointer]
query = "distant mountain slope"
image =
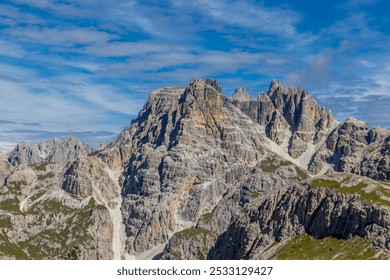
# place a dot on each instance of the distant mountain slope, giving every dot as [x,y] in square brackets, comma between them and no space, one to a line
[53,150]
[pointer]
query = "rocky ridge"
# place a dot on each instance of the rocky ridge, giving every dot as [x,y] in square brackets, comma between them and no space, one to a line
[312,136]
[53,150]
[197,175]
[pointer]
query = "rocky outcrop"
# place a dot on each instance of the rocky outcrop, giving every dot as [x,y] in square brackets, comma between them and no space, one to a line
[192,243]
[241,95]
[293,119]
[40,221]
[5,166]
[289,115]
[295,211]
[354,147]
[376,161]
[54,150]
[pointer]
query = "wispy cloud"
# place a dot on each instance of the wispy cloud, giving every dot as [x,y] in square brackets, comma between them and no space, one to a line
[60,36]
[10,49]
[247,14]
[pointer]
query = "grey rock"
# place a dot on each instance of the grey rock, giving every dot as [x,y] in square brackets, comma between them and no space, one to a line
[54,150]
[288,113]
[241,95]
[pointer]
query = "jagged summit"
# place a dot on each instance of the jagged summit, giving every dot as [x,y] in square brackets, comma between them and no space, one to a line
[213,83]
[240,94]
[292,118]
[53,150]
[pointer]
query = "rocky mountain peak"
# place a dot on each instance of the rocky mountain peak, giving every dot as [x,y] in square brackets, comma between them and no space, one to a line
[202,99]
[275,84]
[291,116]
[214,84]
[240,94]
[53,150]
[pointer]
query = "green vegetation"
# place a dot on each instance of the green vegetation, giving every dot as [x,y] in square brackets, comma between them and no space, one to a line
[354,189]
[10,205]
[375,196]
[270,165]
[208,216]
[191,232]
[45,176]
[302,174]
[66,232]
[77,222]
[318,183]
[346,179]
[201,238]
[5,222]
[41,166]
[10,250]
[306,247]
[176,254]
[254,194]
[54,206]
[15,187]
[384,191]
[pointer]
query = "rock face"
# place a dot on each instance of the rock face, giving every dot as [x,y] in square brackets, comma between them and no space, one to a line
[54,150]
[241,95]
[290,116]
[40,221]
[185,149]
[294,211]
[200,176]
[303,129]
[353,147]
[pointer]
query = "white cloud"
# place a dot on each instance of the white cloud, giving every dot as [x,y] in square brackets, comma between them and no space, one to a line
[10,49]
[12,16]
[353,28]
[316,75]
[248,14]
[61,106]
[118,49]
[60,36]
[6,147]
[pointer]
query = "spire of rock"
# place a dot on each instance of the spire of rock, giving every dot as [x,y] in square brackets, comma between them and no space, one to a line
[241,95]
[214,84]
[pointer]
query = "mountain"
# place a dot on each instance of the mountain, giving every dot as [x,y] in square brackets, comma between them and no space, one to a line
[53,150]
[198,175]
[312,136]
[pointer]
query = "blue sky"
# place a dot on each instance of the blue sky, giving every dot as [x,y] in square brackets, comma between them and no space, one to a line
[86,67]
